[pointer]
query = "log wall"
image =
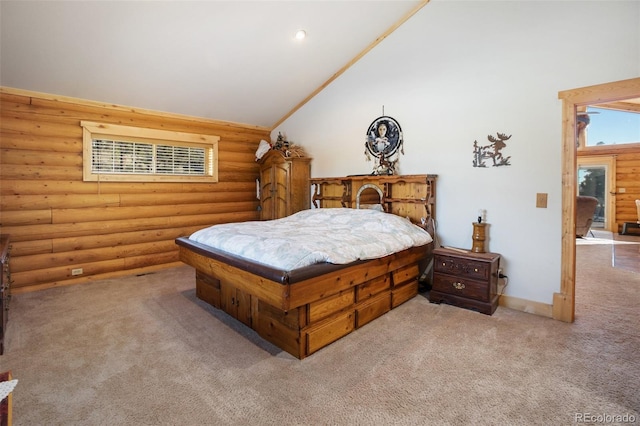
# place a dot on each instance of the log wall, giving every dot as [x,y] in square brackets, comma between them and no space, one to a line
[59,223]
[627,165]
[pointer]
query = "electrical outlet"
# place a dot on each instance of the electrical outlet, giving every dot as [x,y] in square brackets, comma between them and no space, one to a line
[622,190]
[78,271]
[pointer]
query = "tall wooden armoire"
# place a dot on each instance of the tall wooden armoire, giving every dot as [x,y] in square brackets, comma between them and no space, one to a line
[284,185]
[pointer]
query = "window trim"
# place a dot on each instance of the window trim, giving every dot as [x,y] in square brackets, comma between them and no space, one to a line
[93,130]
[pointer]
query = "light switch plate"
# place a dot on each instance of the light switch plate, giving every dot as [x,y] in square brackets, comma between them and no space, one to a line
[541,200]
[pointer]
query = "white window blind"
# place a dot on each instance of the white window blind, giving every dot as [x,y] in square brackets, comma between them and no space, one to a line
[111,156]
[180,160]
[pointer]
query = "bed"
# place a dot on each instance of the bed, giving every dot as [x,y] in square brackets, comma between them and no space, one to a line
[305,302]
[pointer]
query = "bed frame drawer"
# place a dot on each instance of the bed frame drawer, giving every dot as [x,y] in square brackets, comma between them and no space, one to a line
[404,293]
[329,331]
[372,309]
[330,305]
[405,274]
[373,287]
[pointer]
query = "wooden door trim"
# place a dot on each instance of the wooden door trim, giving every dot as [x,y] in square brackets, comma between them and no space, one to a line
[564,301]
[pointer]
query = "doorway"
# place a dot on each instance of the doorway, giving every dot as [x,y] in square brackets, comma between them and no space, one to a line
[564,301]
[597,178]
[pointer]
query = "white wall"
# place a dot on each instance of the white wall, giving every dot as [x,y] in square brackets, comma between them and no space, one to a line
[458,71]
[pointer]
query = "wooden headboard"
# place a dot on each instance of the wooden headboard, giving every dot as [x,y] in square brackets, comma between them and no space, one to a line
[411,196]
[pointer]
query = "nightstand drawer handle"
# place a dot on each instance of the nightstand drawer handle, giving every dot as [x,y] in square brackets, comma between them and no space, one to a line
[458,286]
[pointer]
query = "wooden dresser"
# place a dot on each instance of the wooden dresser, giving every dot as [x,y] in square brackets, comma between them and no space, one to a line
[5,287]
[284,185]
[466,279]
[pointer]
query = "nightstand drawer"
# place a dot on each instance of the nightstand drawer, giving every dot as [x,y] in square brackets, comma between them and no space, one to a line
[461,287]
[462,267]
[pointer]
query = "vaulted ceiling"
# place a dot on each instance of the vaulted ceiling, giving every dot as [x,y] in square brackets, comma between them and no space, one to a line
[225,60]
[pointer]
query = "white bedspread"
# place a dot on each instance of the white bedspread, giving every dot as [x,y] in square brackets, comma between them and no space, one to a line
[334,235]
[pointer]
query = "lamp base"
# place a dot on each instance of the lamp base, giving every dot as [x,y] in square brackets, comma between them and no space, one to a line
[478,237]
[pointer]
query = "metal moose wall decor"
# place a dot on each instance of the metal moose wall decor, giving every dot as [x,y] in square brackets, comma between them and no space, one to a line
[492,151]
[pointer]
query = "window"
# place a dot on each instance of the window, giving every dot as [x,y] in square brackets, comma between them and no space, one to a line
[612,127]
[122,153]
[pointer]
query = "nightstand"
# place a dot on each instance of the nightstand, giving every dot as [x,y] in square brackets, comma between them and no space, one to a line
[465,279]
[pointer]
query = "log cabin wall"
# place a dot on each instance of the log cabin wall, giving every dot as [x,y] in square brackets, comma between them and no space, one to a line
[59,223]
[627,165]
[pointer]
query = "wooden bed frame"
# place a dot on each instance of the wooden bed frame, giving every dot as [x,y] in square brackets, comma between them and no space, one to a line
[304,310]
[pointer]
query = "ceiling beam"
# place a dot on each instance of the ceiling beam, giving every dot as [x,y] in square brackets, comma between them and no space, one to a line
[628,105]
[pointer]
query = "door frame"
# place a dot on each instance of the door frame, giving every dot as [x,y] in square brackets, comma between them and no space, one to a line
[564,301]
[609,163]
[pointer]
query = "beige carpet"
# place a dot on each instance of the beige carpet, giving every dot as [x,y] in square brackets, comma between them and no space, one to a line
[143,350]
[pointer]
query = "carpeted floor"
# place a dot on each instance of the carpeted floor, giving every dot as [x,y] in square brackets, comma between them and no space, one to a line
[625,249]
[142,350]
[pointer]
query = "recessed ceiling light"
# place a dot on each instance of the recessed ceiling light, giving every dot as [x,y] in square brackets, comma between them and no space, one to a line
[300,34]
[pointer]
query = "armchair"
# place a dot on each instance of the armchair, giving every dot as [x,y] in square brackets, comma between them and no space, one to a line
[585,209]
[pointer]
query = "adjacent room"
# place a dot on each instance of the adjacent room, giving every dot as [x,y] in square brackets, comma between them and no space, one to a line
[320,212]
